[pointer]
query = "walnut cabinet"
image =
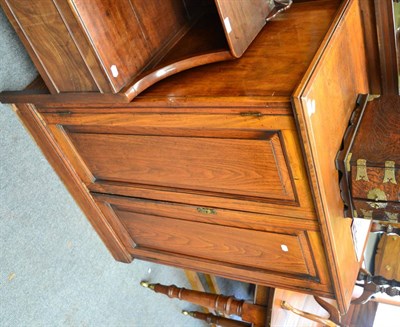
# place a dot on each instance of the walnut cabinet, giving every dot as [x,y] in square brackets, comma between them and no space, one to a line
[226,168]
[119,48]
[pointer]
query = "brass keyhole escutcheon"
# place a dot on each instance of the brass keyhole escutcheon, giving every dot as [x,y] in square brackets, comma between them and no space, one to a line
[207,211]
[376,194]
[379,197]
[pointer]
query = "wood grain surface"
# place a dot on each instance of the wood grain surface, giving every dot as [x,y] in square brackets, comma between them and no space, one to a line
[233,117]
[182,236]
[242,21]
[324,102]
[220,153]
[281,52]
[127,34]
[378,139]
[47,40]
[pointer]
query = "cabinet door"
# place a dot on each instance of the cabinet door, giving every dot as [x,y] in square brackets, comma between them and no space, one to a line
[179,235]
[228,161]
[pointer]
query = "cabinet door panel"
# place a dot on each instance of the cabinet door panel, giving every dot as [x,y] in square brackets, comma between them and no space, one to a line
[230,245]
[242,167]
[167,230]
[229,161]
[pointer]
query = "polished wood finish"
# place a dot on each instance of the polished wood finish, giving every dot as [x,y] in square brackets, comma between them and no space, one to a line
[127,34]
[209,164]
[261,88]
[42,31]
[126,46]
[212,169]
[169,232]
[282,52]
[323,104]
[208,153]
[225,305]
[51,150]
[368,15]
[262,296]
[240,31]
[378,138]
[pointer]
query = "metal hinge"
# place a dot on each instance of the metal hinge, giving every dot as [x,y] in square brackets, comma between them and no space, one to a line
[348,164]
[362,170]
[372,97]
[390,172]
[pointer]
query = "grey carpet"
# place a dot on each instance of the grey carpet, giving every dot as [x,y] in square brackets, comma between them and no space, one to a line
[54,270]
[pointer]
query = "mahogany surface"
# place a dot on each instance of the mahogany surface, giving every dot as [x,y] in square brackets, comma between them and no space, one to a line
[123,47]
[282,52]
[42,31]
[323,104]
[199,173]
[221,169]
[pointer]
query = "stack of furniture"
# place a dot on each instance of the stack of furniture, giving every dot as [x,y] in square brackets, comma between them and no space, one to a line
[227,168]
[110,51]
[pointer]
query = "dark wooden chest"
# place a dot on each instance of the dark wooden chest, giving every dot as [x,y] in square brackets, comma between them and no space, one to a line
[371,160]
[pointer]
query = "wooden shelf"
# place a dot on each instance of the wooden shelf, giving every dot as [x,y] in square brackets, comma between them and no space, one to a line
[122,47]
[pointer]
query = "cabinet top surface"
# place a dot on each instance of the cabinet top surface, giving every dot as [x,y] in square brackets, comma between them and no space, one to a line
[272,66]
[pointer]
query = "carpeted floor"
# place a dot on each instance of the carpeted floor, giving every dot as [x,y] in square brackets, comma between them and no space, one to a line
[54,270]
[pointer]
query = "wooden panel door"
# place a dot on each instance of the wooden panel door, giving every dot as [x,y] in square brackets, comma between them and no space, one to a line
[230,161]
[178,235]
[252,167]
[324,102]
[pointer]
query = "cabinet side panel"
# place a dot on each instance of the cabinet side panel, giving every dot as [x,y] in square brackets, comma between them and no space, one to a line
[323,106]
[49,41]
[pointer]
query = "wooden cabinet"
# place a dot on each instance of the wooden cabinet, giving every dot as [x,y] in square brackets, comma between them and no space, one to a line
[227,168]
[122,47]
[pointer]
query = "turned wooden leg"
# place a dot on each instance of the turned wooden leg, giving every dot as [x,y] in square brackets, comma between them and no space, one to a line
[217,320]
[227,305]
